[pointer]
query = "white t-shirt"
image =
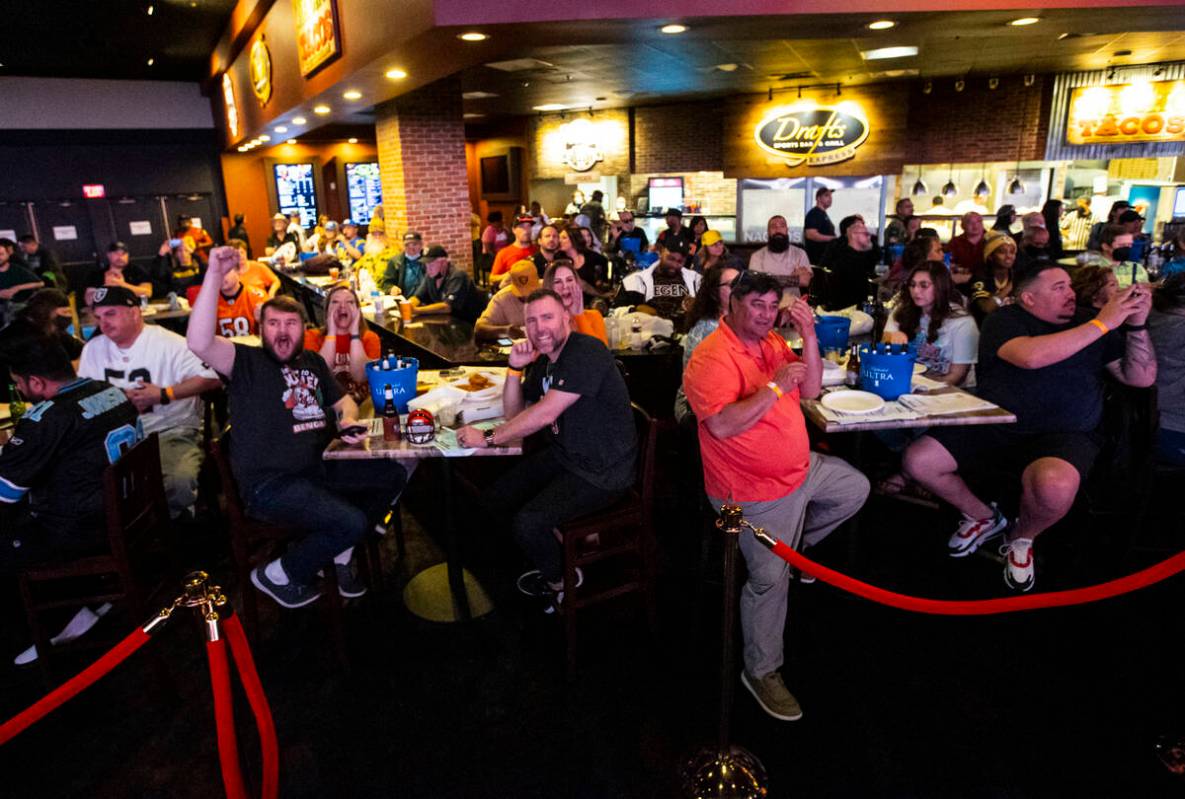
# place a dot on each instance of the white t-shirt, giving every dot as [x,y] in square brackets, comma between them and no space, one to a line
[157,356]
[957,342]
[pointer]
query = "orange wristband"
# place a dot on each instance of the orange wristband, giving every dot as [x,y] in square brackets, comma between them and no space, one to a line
[169,391]
[1100,325]
[775,388]
[514,372]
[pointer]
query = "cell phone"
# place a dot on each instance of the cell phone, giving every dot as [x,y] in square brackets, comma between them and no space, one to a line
[353,430]
[505,342]
[174,243]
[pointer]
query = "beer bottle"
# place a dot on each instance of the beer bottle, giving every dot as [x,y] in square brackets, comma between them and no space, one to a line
[390,415]
[852,376]
[16,405]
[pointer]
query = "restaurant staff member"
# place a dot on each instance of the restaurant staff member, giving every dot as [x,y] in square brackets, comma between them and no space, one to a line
[744,385]
[568,385]
[818,229]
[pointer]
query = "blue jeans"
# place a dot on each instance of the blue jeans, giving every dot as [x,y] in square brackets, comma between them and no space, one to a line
[336,509]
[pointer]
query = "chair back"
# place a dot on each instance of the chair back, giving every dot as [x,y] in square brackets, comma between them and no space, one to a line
[220,452]
[647,444]
[134,497]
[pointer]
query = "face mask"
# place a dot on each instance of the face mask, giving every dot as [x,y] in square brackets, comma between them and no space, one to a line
[1121,253]
[779,242]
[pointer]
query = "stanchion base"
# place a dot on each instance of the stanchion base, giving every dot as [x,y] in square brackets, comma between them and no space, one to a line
[732,773]
[427,595]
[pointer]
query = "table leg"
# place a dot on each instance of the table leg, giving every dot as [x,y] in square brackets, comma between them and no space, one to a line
[456,572]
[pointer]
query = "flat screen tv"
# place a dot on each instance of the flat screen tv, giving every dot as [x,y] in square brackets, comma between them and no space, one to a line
[364,190]
[295,191]
[500,173]
[665,193]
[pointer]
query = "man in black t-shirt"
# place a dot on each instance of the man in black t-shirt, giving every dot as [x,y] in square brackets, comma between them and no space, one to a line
[1046,362]
[119,272]
[568,385]
[817,228]
[57,453]
[285,407]
[446,289]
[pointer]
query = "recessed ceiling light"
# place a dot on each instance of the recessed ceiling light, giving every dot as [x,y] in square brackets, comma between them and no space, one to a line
[673,29]
[549,107]
[881,25]
[888,52]
[298,120]
[150,10]
[292,141]
[265,137]
[395,74]
[280,129]
[472,116]
[727,67]
[1020,23]
[478,95]
[321,109]
[242,148]
[352,94]
[352,140]
[151,61]
[473,36]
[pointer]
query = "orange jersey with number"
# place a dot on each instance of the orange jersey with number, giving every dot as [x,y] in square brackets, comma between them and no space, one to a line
[239,317]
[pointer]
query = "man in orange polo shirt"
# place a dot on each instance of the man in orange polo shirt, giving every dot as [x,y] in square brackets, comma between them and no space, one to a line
[744,385]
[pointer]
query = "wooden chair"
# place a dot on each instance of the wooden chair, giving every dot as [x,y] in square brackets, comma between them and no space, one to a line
[255,543]
[623,533]
[135,508]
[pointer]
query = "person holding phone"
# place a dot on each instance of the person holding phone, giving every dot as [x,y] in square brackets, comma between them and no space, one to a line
[287,406]
[174,268]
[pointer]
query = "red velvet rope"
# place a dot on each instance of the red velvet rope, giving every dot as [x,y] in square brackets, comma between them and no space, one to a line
[983,607]
[73,687]
[259,705]
[224,717]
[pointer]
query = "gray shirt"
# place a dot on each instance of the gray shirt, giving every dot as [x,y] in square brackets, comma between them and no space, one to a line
[1168,338]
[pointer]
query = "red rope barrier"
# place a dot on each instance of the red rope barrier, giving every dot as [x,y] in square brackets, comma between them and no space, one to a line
[259,705]
[224,717]
[982,607]
[73,687]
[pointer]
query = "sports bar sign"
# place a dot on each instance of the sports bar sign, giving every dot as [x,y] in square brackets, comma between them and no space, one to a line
[814,135]
[1141,111]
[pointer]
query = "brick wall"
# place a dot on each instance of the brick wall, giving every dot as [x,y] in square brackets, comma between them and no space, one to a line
[688,137]
[421,150]
[979,124]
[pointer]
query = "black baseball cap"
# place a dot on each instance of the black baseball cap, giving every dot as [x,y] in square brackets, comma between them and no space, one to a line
[436,251]
[411,235]
[115,296]
[1130,215]
[117,246]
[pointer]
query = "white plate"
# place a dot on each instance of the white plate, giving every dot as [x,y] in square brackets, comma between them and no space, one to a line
[852,402]
[918,368]
[486,393]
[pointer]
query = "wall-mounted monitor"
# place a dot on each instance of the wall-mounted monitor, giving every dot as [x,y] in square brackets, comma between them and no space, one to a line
[665,193]
[364,190]
[500,176]
[296,191]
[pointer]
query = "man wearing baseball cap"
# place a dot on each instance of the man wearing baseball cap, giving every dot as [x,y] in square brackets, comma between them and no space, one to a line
[676,236]
[503,317]
[446,289]
[513,253]
[161,377]
[405,271]
[118,271]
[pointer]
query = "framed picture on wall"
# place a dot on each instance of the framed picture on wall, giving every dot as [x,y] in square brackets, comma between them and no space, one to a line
[318,36]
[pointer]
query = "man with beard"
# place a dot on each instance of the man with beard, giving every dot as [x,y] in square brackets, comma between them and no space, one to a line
[238,304]
[667,286]
[568,385]
[405,272]
[163,380]
[789,264]
[675,232]
[1046,361]
[549,248]
[286,407]
[119,271]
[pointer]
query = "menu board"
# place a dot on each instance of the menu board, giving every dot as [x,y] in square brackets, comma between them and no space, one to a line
[364,190]
[295,192]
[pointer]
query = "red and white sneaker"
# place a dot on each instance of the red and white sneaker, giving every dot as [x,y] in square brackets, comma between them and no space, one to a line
[973,532]
[1020,570]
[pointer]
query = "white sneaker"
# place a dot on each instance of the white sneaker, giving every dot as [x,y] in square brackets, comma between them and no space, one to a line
[1020,572]
[77,627]
[972,532]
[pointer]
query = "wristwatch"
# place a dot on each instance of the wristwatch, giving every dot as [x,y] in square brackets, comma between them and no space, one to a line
[165,399]
[488,435]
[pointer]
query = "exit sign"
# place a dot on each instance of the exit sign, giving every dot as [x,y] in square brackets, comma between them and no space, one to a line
[94,191]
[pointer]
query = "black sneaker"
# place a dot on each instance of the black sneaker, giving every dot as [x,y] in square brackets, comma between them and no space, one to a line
[293,595]
[534,585]
[348,584]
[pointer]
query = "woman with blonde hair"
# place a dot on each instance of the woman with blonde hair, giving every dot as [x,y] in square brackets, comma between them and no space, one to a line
[561,278]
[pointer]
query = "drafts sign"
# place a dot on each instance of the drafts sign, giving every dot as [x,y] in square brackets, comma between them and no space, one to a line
[813,135]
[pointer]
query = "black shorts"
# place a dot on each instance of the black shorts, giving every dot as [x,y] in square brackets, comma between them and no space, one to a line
[1003,447]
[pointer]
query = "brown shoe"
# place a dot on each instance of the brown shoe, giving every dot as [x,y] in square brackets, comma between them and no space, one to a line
[770,692]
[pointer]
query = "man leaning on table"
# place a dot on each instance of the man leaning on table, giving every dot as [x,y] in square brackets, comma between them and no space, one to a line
[1046,361]
[744,384]
[285,407]
[566,384]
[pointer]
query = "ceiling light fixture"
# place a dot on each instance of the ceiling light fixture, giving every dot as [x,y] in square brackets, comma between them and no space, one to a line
[473,36]
[298,120]
[280,129]
[291,141]
[993,83]
[395,74]
[151,61]
[881,25]
[1016,187]
[150,10]
[673,29]
[265,137]
[242,148]
[881,53]
[960,84]
[727,67]
[919,185]
[472,116]
[1023,21]
[549,107]
[1030,80]
[949,189]
[352,140]
[838,90]
[771,94]
[352,94]
[321,109]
